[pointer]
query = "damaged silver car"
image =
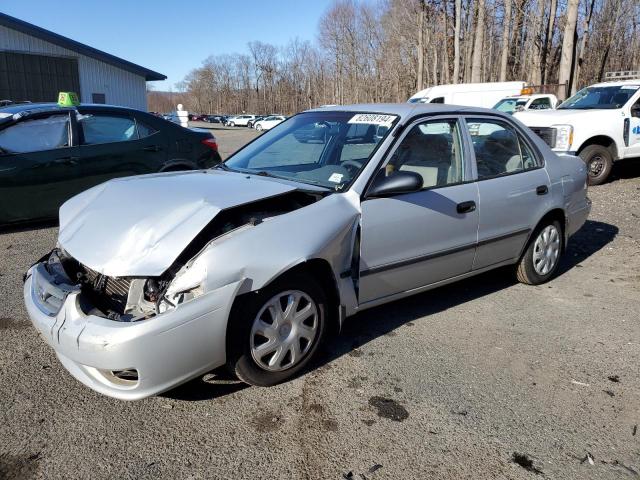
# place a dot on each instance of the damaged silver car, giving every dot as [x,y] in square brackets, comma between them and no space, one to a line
[160,278]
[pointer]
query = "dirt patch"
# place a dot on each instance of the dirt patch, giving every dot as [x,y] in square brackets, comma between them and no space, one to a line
[389,408]
[19,467]
[267,422]
[8,323]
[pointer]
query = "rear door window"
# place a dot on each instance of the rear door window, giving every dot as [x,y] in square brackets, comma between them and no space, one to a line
[499,149]
[145,130]
[540,104]
[38,134]
[99,128]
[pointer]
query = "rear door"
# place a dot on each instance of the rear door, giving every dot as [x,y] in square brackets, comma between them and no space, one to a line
[39,167]
[514,189]
[115,144]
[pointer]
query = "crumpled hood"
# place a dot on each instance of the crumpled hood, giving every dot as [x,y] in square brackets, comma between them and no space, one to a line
[137,226]
[547,118]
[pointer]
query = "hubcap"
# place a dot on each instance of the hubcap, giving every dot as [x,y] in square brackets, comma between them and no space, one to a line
[546,250]
[284,330]
[596,166]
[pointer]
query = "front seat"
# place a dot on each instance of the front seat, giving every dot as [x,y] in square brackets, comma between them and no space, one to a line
[427,155]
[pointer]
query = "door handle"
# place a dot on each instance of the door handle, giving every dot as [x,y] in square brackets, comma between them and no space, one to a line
[466,207]
[152,148]
[66,160]
[542,190]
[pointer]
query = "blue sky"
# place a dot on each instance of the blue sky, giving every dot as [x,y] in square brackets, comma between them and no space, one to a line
[172,37]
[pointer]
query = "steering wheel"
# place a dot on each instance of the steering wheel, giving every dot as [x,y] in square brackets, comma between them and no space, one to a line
[354,164]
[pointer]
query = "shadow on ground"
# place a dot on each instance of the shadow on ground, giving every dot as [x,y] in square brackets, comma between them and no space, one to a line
[370,324]
[625,169]
[28,226]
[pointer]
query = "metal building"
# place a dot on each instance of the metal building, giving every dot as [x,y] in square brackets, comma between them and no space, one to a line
[36,64]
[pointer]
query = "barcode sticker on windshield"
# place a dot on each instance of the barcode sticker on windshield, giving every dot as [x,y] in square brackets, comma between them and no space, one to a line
[336,177]
[372,118]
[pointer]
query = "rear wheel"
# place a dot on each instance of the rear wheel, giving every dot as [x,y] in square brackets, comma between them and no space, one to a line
[542,256]
[274,333]
[599,163]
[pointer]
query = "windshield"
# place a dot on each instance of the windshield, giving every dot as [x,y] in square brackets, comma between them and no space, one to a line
[600,97]
[509,105]
[321,148]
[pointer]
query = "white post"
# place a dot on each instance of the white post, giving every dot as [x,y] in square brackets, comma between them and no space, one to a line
[183,116]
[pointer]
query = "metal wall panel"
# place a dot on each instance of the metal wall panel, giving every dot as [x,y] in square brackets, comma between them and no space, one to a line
[119,86]
[38,78]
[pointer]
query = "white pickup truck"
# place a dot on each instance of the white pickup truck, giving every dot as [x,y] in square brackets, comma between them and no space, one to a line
[600,123]
[520,103]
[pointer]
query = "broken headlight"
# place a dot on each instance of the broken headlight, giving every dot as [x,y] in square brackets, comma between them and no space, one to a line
[187,285]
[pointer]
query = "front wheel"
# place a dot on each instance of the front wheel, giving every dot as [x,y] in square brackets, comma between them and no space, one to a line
[259,128]
[231,124]
[599,163]
[274,333]
[542,256]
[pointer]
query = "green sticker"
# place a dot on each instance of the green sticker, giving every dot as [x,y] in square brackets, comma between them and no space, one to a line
[68,99]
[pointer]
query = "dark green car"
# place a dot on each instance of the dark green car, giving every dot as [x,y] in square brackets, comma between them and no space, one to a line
[49,153]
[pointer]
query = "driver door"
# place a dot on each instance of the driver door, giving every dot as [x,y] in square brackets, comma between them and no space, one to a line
[416,239]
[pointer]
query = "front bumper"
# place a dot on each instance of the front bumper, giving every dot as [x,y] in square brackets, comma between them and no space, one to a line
[166,350]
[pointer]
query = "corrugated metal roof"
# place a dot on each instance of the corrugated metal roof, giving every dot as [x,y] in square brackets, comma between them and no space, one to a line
[35,31]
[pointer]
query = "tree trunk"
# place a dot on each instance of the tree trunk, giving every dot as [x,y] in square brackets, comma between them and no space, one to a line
[456,43]
[583,46]
[476,62]
[421,48]
[506,36]
[548,41]
[568,48]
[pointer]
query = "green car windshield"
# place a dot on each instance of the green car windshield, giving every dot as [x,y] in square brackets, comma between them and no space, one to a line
[328,149]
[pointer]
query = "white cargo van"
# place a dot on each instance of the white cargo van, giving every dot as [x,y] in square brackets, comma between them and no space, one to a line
[470,94]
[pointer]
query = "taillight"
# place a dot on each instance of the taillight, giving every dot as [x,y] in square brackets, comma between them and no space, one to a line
[211,143]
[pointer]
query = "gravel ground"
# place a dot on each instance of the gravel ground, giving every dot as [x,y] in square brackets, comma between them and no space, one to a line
[485,378]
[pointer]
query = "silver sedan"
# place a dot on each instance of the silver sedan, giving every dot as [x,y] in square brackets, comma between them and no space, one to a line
[160,278]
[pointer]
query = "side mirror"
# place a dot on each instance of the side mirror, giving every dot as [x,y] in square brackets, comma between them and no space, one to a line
[396,183]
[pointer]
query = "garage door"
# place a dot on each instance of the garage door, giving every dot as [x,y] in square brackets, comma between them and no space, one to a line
[38,78]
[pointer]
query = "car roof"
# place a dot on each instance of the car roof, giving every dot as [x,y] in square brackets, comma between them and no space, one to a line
[35,107]
[406,110]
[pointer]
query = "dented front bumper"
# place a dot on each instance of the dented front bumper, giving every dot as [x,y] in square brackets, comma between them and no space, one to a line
[164,351]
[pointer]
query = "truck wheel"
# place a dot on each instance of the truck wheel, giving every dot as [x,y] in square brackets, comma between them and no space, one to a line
[599,163]
[275,332]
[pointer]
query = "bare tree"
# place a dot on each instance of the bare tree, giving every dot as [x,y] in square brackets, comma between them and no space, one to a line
[506,38]
[565,74]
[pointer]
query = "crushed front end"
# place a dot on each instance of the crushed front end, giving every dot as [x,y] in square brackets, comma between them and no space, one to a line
[117,336]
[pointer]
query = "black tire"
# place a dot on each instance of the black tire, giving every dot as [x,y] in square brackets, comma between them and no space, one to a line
[599,163]
[526,271]
[243,314]
[231,124]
